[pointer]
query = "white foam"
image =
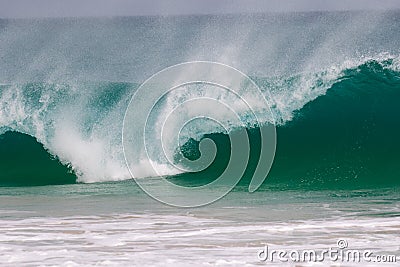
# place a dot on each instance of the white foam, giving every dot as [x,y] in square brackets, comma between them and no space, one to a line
[180,240]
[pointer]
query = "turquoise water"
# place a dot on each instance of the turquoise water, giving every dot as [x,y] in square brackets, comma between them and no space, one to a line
[66,194]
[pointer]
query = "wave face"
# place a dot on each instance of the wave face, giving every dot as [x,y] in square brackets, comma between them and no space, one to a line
[346,138]
[67,84]
[24,162]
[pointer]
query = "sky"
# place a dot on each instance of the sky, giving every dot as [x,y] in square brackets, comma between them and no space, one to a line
[84,8]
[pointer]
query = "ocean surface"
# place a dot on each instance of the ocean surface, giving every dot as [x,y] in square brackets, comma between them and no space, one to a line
[67,197]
